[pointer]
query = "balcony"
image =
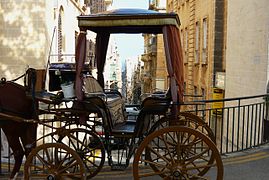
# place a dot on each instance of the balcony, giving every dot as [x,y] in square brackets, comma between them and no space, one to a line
[152,48]
[144,57]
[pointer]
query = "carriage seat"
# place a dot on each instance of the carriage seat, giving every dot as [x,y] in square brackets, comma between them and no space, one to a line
[154,105]
[112,98]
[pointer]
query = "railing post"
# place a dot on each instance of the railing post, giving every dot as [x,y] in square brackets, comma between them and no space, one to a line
[266,120]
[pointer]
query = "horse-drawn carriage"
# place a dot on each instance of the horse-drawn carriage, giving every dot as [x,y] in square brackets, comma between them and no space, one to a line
[92,126]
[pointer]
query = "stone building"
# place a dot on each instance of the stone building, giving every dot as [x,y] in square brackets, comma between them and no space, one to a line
[247,57]
[34,32]
[225,46]
[154,76]
[97,6]
[112,69]
[203,24]
[203,37]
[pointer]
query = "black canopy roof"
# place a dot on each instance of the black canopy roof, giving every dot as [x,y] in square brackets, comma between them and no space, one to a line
[128,21]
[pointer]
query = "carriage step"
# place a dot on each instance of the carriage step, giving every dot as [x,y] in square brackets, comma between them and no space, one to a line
[118,167]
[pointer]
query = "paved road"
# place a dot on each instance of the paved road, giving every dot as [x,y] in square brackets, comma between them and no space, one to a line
[252,164]
[249,165]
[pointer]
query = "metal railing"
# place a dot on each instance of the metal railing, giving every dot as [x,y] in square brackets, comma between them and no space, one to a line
[238,123]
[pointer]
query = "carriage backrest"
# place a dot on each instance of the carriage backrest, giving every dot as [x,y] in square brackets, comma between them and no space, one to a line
[91,85]
[113,101]
[151,106]
[97,105]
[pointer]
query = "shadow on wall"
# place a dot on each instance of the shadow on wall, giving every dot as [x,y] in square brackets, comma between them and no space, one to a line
[23,37]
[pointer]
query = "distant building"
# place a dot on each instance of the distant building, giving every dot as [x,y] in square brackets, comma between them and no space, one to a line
[132,78]
[97,6]
[136,85]
[113,67]
[154,75]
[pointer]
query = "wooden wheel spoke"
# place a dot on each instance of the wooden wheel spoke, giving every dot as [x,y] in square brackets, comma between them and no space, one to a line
[34,166]
[201,157]
[58,152]
[171,141]
[180,148]
[197,156]
[89,148]
[158,158]
[73,139]
[187,139]
[155,163]
[64,162]
[47,155]
[54,138]
[167,147]
[158,154]
[192,142]
[91,162]
[42,160]
[68,165]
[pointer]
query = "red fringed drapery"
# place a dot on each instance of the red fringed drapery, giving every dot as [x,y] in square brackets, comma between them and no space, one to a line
[174,61]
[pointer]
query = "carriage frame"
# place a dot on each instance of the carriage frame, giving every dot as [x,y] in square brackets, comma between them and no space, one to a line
[186,145]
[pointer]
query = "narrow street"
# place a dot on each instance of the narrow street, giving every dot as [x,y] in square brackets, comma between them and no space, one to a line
[252,164]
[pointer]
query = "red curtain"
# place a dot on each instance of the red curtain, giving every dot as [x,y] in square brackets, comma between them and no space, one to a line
[174,61]
[80,60]
[102,40]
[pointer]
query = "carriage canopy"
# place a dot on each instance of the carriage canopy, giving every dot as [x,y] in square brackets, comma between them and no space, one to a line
[131,21]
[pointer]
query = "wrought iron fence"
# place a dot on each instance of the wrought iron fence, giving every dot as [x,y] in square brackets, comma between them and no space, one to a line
[238,123]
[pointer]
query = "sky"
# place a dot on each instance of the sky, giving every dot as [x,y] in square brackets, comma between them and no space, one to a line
[130,45]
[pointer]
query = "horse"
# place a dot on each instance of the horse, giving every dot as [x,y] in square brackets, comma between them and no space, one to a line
[17,104]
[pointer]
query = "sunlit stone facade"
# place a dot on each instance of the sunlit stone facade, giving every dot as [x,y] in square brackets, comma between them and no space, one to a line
[35,31]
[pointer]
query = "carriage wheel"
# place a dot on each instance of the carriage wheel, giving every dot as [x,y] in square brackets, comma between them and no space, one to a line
[186,119]
[178,152]
[88,146]
[54,161]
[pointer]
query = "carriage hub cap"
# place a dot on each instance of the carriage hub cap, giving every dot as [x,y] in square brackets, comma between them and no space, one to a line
[176,173]
[51,177]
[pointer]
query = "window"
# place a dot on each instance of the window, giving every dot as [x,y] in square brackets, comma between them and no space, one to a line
[195,92]
[186,44]
[203,93]
[197,42]
[205,41]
